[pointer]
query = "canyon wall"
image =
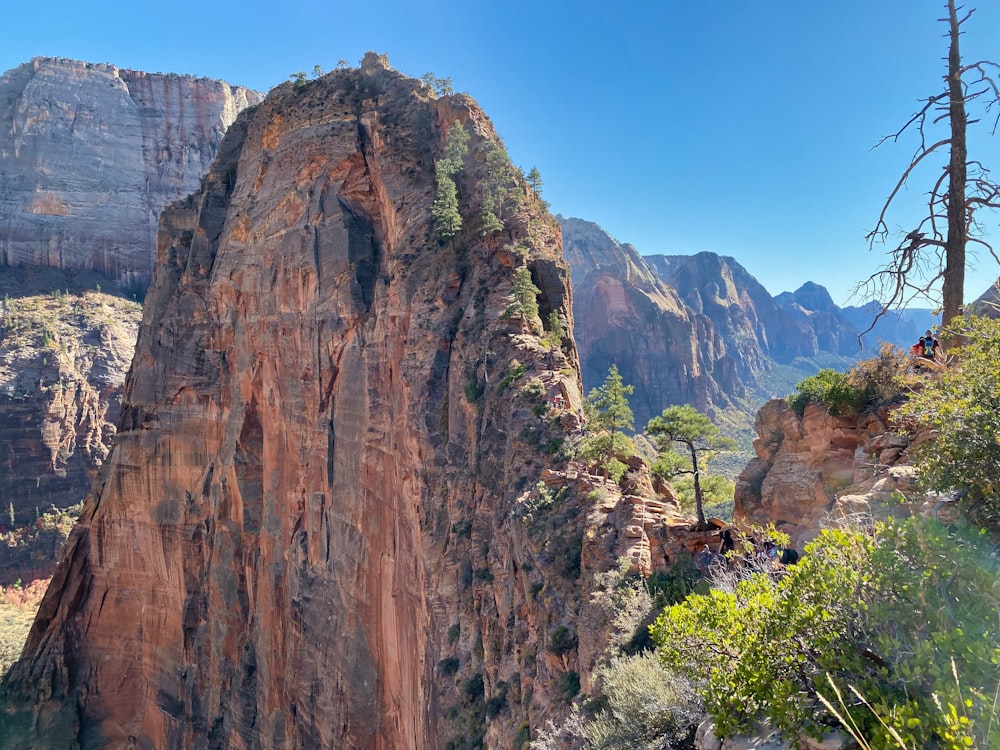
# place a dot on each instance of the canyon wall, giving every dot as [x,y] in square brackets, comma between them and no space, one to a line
[90,154]
[323,522]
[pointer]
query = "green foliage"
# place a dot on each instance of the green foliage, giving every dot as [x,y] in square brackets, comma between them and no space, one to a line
[496,186]
[445,216]
[961,408]
[698,438]
[473,391]
[883,613]
[562,640]
[523,299]
[608,416]
[716,492]
[556,331]
[517,369]
[299,79]
[643,704]
[569,685]
[534,179]
[826,386]
[440,86]
[453,633]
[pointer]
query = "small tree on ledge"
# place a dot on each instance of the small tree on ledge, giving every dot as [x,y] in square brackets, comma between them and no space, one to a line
[608,416]
[701,439]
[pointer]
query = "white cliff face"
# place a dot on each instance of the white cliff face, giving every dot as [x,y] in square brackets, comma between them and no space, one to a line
[91,154]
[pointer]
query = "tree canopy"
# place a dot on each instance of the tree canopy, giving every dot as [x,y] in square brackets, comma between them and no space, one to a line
[608,416]
[695,433]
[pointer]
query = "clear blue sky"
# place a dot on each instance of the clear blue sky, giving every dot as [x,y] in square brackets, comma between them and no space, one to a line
[739,127]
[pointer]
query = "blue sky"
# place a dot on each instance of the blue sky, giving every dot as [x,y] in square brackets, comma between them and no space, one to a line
[743,128]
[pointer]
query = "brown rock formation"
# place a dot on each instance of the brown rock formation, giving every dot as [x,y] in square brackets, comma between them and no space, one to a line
[815,470]
[64,352]
[308,532]
[626,315]
[90,154]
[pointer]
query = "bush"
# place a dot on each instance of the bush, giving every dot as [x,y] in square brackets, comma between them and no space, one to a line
[562,640]
[569,685]
[644,705]
[886,613]
[961,411]
[881,379]
[826,386]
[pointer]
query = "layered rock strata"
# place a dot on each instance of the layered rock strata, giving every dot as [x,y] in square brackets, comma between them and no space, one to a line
[311,530]
[814,470]
[627,316]
[90,154]
[64,353]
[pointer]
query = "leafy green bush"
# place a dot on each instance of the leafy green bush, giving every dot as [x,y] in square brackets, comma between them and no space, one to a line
[961,408]
[884,613]
[827,386]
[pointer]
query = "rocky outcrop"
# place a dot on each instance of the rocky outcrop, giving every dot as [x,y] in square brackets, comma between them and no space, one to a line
[313,527]
[64,352]
[814,470]
[626,315]
[90,154]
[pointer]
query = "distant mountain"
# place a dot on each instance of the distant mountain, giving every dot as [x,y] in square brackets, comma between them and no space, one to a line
[626,315]
[701,329]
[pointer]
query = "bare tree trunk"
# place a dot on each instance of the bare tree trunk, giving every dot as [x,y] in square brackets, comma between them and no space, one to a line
[954,272]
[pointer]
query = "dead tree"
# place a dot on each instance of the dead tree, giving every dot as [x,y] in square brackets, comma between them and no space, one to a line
[935,250]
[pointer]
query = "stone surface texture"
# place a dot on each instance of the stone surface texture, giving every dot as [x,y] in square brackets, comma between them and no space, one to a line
[64,353]
[322,521]
[90,154]
[815,470]
[627,315]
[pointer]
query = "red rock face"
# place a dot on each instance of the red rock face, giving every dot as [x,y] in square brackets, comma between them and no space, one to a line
[310,500]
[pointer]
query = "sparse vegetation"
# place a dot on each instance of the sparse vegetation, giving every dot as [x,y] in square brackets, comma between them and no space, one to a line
[608,417]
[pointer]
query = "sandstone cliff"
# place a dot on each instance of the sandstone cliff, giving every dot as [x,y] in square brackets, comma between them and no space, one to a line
[65,346]
[90,154]
[320,524]
[815,470]
[626,315]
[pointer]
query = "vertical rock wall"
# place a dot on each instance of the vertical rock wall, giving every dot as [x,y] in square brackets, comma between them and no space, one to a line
[91,154]
[308,531]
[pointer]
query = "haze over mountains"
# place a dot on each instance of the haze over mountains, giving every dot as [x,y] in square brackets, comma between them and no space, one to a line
[700,329]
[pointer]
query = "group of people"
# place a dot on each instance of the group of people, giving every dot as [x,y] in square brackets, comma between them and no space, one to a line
[758,555]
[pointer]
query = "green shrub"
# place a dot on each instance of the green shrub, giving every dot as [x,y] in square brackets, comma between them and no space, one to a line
[517,369]
[884,613]
[569,685]
[449,665]
[829,387]
[562,640]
